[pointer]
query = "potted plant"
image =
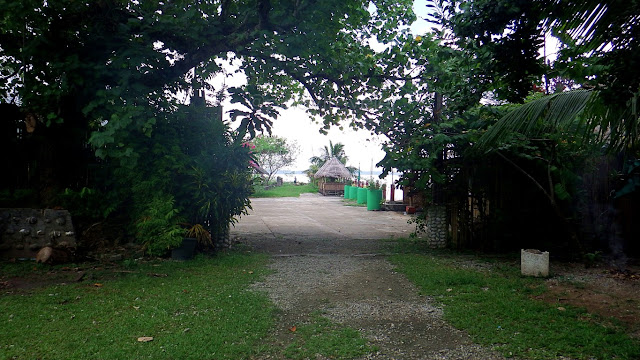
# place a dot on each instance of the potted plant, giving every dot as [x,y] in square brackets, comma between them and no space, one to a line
[194,235]
[201,234]
[374,195]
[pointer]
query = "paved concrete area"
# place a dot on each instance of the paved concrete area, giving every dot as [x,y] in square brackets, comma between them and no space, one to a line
[326,259]
[316,224]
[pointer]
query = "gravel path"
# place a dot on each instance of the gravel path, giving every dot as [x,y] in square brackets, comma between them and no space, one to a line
[344,275]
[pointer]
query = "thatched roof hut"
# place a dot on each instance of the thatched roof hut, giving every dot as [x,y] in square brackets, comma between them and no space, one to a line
[333,168]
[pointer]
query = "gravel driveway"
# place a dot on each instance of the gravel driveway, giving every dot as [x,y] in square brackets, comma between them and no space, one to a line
[329,257]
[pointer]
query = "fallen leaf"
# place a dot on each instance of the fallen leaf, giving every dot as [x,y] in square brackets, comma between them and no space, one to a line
[97,285]
[145,339]
[293,328]
[561,308]
[157,275]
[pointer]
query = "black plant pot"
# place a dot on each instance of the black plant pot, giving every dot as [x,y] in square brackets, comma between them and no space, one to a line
[186,250]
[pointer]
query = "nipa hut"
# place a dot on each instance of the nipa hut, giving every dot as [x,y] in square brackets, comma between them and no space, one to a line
[332,176]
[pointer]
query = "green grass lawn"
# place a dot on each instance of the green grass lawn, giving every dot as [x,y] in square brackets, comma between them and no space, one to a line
[199,309]
[286,190]
[497,309]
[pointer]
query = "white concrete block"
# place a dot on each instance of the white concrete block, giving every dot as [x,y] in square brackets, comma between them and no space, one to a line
[534,262]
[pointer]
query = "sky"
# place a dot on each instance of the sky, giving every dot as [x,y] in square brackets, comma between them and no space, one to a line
[361,147]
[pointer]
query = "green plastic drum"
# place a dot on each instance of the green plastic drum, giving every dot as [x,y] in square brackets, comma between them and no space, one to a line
[346,191]
[374,197]
[362,196]
[353,193]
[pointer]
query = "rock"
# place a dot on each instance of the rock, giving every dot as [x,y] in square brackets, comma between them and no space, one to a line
[44,254]
[50,255]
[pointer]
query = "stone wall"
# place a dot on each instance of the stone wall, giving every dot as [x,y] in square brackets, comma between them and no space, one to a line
[23,232]
[437,226]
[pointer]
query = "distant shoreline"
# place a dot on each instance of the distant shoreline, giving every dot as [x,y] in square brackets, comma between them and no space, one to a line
[300,177]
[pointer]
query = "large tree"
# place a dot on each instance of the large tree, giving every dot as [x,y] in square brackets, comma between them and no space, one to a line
[273,153]
[93,92]
[491,51]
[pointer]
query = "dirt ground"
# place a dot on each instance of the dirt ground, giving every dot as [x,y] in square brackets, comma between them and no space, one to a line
[602,290]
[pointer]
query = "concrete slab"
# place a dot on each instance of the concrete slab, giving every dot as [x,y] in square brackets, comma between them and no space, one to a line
[315,224]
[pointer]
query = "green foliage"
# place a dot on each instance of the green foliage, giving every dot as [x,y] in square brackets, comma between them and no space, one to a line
[109,72]
[373,185]
[203,309]
[558,112]
[17,198]
[504,37]
[158,227]
[631,176]
[87,203]
[274,153]
[495,306]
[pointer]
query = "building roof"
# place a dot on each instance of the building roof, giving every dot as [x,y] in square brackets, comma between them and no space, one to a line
[333,168]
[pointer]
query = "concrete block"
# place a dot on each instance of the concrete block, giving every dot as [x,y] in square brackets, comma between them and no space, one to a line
[534,263]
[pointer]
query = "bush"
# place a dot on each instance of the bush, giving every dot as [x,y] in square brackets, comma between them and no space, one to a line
[159,226]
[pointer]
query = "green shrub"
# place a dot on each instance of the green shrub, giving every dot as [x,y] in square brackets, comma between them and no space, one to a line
[158,228]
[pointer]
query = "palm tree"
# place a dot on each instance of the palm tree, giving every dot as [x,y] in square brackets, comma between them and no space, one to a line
[608,106]
[332,150]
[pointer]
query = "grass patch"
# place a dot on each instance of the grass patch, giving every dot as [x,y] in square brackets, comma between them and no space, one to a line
[286,190]
[496,308]
[351,202]
[201,309]
[329,340]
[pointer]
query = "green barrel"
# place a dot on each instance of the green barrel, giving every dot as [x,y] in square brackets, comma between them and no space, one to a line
[346,191]
[374,197]
[362,196]
[353,193]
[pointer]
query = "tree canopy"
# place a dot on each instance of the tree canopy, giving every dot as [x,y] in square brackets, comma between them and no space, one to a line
[118,96]
[273,153]
[97,95]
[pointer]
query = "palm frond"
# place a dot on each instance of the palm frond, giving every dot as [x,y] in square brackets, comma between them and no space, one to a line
[583,113]
[558,111]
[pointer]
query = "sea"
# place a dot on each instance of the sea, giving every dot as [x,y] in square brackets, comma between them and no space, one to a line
[301,177]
